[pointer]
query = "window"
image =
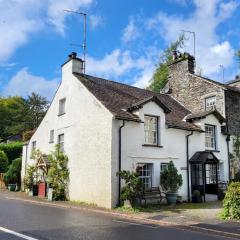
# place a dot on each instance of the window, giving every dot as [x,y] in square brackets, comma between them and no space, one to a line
[61,109]
[144,171]
[210,103]
[210,137]
[163,167]
[61,142]
[34,145]
[51,137]
[151,130]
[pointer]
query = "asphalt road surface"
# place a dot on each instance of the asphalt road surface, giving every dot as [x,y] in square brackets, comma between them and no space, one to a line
[23,220]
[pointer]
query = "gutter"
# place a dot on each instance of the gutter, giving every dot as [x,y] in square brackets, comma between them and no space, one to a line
[187,153]
[120,160]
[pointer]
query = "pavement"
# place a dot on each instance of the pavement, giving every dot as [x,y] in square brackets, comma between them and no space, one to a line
[23,217]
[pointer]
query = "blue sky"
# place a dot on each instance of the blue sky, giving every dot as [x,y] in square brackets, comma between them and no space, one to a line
[124,39]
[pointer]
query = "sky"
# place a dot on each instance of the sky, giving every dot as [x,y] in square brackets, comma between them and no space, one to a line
[125,39]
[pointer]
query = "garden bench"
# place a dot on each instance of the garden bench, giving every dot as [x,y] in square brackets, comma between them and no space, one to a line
[155,193]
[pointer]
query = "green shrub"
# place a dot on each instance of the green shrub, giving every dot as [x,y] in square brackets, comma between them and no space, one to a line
[13,175]
[170,179]
[29,177]
[12,150]
[58,174]
[3,162]
[133,188]
[231,202]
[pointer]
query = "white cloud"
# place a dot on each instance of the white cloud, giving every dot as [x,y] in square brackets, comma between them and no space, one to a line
[57,15]
[19,19]
[130,32]
[210,51]
[24,83]
[95,21]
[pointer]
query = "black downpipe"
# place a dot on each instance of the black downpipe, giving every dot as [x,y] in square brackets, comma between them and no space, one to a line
[228,152]
[120,161]
[187,140]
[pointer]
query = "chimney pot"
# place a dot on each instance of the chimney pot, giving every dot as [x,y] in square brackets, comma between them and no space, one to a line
[174,55]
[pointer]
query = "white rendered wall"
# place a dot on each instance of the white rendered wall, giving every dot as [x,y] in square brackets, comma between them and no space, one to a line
[87,140]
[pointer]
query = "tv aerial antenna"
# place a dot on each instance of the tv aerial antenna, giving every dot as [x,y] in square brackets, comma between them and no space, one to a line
[84,44]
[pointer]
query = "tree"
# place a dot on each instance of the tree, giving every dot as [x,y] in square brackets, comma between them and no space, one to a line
[13,112]
[58,174]
[3,162]
[37,107]
[161,73]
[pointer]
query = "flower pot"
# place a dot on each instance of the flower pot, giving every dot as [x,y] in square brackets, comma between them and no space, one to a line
[171,198]
[11,187]
[127,203]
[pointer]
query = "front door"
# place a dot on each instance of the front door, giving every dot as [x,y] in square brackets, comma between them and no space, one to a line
[211,178]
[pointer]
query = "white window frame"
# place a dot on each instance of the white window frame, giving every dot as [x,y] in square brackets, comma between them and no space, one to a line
[163,166]
[210,103]
[145,171]
[151,130]
[61,142]
[51,136]
[210,137]
[62,107]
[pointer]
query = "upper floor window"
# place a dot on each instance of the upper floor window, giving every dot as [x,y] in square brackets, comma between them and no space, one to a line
[51,136]
[61,142]
[151,129]
[210,136]
[34,146]
[61,109]
[210,103]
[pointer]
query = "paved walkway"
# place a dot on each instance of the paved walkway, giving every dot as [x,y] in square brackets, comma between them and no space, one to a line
[202,217]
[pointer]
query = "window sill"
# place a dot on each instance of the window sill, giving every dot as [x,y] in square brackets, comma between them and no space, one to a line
[61,114]
[212,150]
[152,145]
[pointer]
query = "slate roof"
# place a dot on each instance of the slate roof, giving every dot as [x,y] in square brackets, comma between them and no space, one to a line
[203,157]
[224,86]
[205,114]
[120,99]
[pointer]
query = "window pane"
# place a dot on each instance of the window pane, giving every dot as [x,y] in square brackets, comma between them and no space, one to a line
[210,103]
[51,138]
[210,137]
[61,142]
[62,106]
[150,129]
[145,174]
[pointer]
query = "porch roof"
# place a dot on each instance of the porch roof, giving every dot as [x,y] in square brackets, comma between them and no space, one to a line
[204,157]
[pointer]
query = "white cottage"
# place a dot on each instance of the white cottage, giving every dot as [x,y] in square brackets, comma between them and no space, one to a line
[104,126]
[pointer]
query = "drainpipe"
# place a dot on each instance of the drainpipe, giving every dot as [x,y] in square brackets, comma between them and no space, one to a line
[187,149]
[228,153]
[120,160]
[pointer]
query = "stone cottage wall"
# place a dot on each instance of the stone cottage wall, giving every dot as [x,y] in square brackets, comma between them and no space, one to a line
[233,111]
[191,90]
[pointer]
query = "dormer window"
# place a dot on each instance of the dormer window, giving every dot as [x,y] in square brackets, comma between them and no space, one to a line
[61,109]
[151,130]
[210,103]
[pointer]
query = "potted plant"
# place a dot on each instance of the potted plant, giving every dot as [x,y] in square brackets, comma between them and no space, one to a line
[133,188]
[171,181]
[29,179]
[196,196]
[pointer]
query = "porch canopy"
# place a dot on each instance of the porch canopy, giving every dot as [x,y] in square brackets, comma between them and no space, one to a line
[204,172]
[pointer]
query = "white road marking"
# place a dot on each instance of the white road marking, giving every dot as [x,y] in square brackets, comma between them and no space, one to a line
[17,234]
[137,224]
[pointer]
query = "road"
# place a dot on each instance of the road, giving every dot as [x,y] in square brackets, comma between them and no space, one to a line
[23,220]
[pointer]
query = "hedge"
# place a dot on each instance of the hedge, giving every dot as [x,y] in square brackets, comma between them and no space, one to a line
[12,150]
[3,162]
[231,202]
[13,175]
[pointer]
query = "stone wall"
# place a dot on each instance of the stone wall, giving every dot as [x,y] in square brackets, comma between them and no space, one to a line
[191,90]
[233,111]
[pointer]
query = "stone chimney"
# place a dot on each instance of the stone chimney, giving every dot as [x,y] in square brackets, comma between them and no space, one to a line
[73,64]
[182,62]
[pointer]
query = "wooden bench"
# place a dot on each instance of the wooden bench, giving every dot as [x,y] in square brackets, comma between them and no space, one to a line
[155,193]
